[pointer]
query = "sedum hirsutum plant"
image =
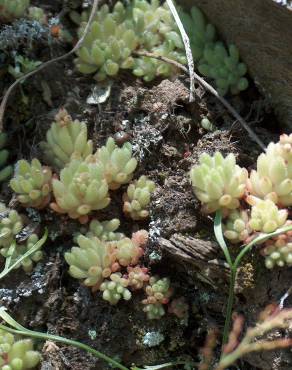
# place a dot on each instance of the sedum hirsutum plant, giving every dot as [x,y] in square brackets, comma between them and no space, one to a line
[5,170]
[32,183]
[214,59]
[273,177]
[93,260]
[15,251]
[236,226]
[158,293]
[11,9]
[66,140]
[259,202]
[105,230]
[115,289]
[17,354]
[11,224]
[278,251]
[218,182]
[113,268]
[115,35]
[137,198]
[117,163]
[265,216]
[81,189]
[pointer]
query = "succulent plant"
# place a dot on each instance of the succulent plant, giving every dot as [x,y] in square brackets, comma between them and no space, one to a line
[137,198]
[5,170]
[218,182]
[158,293]
[66,140]
[273,176]
[236,227]
[11,9]
[22,66]
[37,14]
[32,183]
[128,252]
[115,289]
[17,354]
[115,36]
[137,277]
[17,250]
[93,260]
[117,163]
[80,189]
[278,251]
[213,58]
[105,230]
[10,225]
[265,216]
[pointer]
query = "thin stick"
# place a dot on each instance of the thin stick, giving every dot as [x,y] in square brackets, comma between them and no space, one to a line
[188,49]
[46,64]
[211,89]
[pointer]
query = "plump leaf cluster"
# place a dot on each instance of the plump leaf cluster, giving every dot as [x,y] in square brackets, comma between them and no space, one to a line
[17,354]
[12,225]
[255,202]
[272,178]
[278,251]
[66,140]
[115,37]
[158,293]
[137,198]
[214,60]
[218,182]
[11,9]
[85,179]
[110,262]
[100,261]
[5,170]
[32,183]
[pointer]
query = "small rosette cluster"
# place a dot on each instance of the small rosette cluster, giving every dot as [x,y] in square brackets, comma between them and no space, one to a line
[11,223]
[218,182]
[66,140]
[137,198]
[105,230]
[17,354]
[115,289]
[81,189]
[273,177]
[32,183]
[158,294]
[11,9]
[214,60]
[236,226]
[117,163]
[15,251]
[265,216]
[278,251]
[11,226]
[102,264]
[5,170]
[116,35]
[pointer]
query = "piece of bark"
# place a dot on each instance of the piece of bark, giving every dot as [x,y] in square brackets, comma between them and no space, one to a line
[200,255]
[262,31]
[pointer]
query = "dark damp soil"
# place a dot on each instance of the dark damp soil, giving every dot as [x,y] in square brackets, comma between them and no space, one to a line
[167,137]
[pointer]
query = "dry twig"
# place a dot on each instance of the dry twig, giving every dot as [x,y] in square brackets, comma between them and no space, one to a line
[46,64]
[188,49]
